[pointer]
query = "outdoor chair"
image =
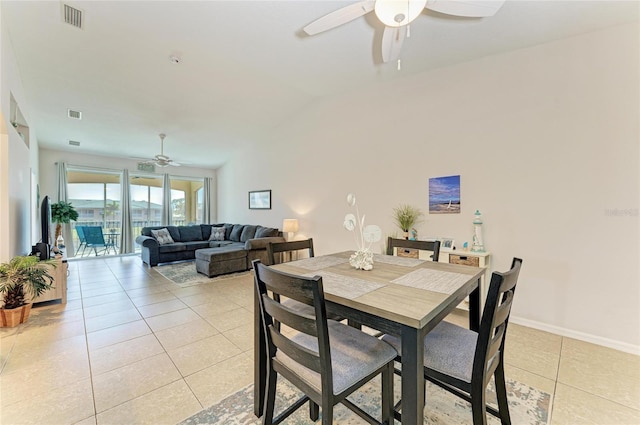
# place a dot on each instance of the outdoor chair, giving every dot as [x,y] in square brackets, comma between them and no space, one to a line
[94,238]
[462,361]
[433,246]
[83,240]
[324,359]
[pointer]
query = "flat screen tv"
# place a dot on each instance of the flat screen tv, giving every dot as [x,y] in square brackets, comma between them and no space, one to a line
[45,221]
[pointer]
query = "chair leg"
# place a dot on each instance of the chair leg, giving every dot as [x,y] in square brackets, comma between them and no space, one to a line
[314,411]
[478,405]
[327,414]
[270,399]
[387,394]
[501,393]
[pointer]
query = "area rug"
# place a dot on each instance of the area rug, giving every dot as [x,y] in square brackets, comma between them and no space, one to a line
[184,274]
[527,406]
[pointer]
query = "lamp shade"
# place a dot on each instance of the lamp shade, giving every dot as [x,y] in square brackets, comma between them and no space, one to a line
[290,225]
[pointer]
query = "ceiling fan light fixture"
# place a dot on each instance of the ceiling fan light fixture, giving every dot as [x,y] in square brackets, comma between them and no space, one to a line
[397,13]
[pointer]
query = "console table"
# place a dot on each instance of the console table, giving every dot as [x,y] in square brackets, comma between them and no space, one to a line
[59,290]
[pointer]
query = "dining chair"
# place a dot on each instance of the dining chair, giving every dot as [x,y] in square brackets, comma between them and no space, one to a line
[326,360]
[282,248]
[463,361]
[433,246]
[83,240]
[94,238]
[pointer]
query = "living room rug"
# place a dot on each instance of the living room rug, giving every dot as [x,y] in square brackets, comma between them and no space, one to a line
[527,406]
[184,274]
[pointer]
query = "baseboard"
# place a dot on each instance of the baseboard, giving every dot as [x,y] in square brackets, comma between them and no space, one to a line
[605,342]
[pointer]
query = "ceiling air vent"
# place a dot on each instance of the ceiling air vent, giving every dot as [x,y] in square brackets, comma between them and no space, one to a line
[72,16]
[76,115]
[74,143]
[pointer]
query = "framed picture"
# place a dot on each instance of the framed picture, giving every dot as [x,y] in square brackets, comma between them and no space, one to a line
[446,243]
[444,195]
[260,200]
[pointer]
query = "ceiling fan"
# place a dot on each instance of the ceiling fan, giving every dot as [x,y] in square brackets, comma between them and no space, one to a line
[162,160]
[396,15]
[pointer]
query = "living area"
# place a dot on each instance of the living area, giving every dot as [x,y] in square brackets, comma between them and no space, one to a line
[539,134]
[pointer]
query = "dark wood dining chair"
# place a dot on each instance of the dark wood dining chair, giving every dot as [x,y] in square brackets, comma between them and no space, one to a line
[463,361]
[433,246]
[326,360]
[276,250]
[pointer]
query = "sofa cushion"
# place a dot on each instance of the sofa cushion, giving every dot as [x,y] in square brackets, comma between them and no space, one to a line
[193,245]
[162,236]
[220,254]
[190,233]
[248,232]
[227,228]
[173,231]
[236,232]
[206,231]
[173,247]
[217,234]
[266,232]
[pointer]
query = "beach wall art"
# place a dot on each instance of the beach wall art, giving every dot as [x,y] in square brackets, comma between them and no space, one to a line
[444,195]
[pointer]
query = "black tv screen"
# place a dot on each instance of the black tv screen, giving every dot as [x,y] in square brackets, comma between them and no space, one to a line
[45,221]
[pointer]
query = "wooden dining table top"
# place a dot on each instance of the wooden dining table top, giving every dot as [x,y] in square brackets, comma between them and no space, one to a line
[404,290]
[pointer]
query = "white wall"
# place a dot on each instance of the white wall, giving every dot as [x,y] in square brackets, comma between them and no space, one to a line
[17,162]
[546,142]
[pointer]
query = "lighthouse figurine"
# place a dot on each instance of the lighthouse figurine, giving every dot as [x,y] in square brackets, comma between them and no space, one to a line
[477,246]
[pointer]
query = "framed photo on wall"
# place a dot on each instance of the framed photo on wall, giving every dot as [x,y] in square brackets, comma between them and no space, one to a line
[260,199]
[446,243]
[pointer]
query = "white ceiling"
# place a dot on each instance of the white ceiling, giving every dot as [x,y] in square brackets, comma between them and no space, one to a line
[245,66]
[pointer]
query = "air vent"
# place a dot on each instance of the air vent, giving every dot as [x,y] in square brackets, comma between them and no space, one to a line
[72,16]
[149,168]
[76,115]
[74,143]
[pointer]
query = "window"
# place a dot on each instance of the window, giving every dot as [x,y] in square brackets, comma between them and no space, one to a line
[185,207]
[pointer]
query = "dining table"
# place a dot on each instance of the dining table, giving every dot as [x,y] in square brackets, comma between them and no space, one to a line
[403,296]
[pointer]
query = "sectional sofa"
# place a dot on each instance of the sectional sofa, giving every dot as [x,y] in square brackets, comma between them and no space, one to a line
[243,242]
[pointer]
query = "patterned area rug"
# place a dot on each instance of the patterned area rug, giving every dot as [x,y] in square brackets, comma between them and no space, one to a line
[184,274]
[527,406]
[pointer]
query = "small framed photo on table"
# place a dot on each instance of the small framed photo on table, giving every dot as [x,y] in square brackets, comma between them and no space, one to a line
[446,243]
[260,200]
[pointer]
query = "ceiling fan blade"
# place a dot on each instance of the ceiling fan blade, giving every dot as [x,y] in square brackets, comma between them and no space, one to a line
[175,164]
[392,40]
[466,8]
[340,16]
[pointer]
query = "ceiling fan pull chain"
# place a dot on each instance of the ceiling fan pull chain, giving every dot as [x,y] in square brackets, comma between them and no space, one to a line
[408,31]
[399,65]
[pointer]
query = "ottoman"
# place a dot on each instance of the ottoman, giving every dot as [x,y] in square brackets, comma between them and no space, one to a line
[216,261]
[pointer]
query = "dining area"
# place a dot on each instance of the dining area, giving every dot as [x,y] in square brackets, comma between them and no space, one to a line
[329,328]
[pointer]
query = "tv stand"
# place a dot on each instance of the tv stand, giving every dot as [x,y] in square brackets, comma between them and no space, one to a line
[59,274]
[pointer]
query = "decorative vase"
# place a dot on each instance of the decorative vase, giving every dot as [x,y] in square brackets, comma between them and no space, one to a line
[406,235]
[10,318]
[362,259]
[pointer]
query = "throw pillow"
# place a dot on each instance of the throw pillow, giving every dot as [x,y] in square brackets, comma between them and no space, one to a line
[266,232]
[217,234]
[162,236]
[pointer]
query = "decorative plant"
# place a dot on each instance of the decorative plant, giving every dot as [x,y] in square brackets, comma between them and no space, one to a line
[406,216]
[24,276]
[61,213]
[365,236]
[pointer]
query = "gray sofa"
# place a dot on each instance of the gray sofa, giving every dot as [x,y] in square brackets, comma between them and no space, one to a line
[187,239]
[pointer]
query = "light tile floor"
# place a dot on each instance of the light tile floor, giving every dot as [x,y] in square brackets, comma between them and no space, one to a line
[130,347]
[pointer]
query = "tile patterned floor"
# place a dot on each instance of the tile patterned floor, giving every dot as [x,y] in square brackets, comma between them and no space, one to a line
[130,347]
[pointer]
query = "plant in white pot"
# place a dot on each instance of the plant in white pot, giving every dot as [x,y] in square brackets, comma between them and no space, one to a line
[62,213]
[406,216]
[22,279]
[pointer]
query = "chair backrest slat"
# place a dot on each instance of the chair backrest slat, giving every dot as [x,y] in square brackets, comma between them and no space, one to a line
[281,313]
[495,319]
[306,357]
[274,248]
[433,246]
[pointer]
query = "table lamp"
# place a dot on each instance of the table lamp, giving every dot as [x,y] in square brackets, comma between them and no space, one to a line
[290,226]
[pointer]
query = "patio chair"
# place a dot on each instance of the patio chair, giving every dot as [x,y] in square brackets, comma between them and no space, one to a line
[83,240]
[94,238]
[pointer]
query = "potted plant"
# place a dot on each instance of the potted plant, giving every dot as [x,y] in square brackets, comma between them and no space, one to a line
[405,217]
[22,278]
[62,213]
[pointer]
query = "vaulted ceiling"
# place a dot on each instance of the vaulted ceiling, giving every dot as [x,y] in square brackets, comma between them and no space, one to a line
[244,66]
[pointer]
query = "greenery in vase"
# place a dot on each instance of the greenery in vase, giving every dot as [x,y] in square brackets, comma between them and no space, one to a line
[61,213]
[24,276]
[406,216]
